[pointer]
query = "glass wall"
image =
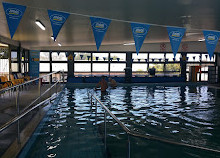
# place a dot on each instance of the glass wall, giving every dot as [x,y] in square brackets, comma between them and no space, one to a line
[114,63]
[82,67]
[44,56]
[59,56]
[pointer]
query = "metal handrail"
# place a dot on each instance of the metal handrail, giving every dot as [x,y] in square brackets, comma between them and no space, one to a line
[150,137]
[18,117]
[9,88]
[41,95]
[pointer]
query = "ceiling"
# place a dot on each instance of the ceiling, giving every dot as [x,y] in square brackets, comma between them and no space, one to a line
[195,15]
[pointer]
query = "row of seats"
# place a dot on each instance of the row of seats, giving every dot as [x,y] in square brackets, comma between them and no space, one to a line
[15,79]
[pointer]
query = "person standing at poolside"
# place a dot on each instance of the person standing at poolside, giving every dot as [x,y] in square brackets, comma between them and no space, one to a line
[103,84]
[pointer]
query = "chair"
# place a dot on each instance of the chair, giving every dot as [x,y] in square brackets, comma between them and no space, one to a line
[4,82]
[15,81]
[17,78]
[21,76]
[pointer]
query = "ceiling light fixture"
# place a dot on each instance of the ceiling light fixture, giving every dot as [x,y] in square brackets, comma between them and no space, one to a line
[3,45]
[40,24]
[191,33]
[52,38]
[128,44]
[59,44]
[201,40]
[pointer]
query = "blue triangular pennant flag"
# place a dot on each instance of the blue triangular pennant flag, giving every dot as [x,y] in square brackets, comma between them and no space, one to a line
[139,33]
[99,27]
[57,19]
[58,53]
[13,13]
[175,35]
[211,40]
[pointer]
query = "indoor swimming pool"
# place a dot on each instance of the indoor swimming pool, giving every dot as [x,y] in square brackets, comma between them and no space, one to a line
[181,113]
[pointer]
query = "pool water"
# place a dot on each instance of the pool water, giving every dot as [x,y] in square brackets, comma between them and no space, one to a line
[66,130]
[188,114]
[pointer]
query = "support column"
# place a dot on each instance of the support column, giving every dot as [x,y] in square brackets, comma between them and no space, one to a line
[183,65]
[109,66]
[19,57]
[128,69]
[9,51]
[70,62]
[50,56]
[24,64]
[218,65]
[91,64]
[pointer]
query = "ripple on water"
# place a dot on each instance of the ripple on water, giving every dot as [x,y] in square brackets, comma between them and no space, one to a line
[182,113]
[185,108]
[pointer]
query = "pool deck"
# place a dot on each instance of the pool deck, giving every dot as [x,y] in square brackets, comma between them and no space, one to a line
[8,110]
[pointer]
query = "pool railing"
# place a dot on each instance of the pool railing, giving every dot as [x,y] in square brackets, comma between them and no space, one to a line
[35,103]
[94,101]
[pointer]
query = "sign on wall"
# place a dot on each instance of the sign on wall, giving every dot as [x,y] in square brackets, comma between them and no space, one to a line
[34,62]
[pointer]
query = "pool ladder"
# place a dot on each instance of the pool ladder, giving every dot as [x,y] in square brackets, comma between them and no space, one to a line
[91,96]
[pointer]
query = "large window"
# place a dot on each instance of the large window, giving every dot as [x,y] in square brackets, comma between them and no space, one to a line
[173,67]
[82,56]
[82,67]
[59,66]
[60,57]
[117,67]
[193,57]
[14,56]
[141,57]
[114,63]
[136,67]
[139,69]
[204,77]
[156,57]
[205,57]
[4,66]
[158,67]
[14,67]
[170,57]
[44,56]
[100,56]
[118,56]
[102,67]
[44,67]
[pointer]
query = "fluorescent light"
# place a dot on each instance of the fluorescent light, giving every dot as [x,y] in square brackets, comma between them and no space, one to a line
[128,44]
[40,24]
[201,40]
[192,33]
[59,44]
[3,45]
[53,38]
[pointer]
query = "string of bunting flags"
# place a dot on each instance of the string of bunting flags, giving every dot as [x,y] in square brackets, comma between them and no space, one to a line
[14,14]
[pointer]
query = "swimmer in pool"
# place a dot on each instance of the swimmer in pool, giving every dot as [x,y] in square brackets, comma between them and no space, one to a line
[103,84]
[112,82]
